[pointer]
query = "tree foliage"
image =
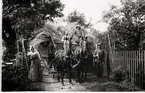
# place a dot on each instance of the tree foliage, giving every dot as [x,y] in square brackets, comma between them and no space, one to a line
[79,18]
[28,15]
[23,18]
[127,23]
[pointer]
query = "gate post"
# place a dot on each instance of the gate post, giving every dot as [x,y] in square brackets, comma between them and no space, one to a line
[110,53]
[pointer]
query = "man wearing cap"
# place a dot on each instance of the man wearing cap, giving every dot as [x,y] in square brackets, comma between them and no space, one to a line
[100,55]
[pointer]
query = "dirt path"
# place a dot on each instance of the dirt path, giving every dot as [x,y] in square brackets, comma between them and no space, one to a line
[91,84]
[51,84]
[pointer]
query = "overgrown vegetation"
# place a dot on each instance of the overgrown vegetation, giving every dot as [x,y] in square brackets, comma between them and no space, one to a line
[122,76]
[107,84]
[21,18]
[126,24]
[119,74]
[15,79]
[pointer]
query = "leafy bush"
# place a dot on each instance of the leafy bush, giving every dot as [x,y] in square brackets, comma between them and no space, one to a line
[14,79]
[119,74]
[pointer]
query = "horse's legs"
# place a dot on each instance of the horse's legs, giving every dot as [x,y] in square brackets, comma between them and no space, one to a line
[82,69]
[78,74]
[58,76]
[86,69]
[82,72]
[70,75]
[62,76]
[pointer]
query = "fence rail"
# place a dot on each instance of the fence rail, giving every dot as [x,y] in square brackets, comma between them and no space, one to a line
[134,61]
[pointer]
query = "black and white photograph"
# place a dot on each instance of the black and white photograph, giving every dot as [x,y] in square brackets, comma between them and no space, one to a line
[73,46]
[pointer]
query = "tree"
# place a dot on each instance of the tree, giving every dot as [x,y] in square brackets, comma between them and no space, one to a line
[28,15]
[79,18]
[25,17]
[9,36]
[126,22]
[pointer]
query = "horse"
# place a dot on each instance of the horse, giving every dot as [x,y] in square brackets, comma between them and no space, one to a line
[63,63]
[81,55]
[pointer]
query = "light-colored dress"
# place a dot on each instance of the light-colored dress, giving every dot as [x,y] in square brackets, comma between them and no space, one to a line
[35,73]
[65,40]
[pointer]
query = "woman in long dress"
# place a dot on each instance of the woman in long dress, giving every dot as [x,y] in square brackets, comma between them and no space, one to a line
[35,73]
[65,39]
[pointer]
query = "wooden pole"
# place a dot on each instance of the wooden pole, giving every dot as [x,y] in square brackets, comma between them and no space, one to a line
[17,53]
[110,50]
[24,51]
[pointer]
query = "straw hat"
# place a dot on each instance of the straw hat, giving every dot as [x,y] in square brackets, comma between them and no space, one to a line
[99,44]
[47,16]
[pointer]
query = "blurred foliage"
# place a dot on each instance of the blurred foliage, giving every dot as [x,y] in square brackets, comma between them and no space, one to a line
[79,18]
[126,23]
[22,18]
[119,74]
[28,15]
[14,79]
[9,40]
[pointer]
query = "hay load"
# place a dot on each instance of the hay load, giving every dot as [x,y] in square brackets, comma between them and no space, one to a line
[43,42]
[90,44]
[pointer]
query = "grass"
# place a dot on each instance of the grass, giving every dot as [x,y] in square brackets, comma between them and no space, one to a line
[106,84]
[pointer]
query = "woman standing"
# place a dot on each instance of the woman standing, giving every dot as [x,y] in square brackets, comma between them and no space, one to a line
[65,39]
[35,73]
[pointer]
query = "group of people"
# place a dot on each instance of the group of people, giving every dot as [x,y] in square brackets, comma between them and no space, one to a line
[78,40]
[35,72]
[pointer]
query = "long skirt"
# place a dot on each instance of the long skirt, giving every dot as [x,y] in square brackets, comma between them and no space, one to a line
[35,73]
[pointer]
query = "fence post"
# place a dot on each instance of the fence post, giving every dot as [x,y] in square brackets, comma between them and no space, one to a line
[136,60]
[143,68]
[110,53]
[131,67]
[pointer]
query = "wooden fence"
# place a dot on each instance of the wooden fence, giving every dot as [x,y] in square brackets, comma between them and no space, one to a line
[134,61]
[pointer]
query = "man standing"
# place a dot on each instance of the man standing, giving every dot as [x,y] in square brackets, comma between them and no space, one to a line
[100,54]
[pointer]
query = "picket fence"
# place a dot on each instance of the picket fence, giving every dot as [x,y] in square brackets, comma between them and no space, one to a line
[134,61]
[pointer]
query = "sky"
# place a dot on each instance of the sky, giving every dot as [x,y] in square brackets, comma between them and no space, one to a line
[92,9]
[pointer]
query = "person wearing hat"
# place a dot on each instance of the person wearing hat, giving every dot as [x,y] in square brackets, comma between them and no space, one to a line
[78,35]
[48,19]
[78,31]
[78,27]
[99,57]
